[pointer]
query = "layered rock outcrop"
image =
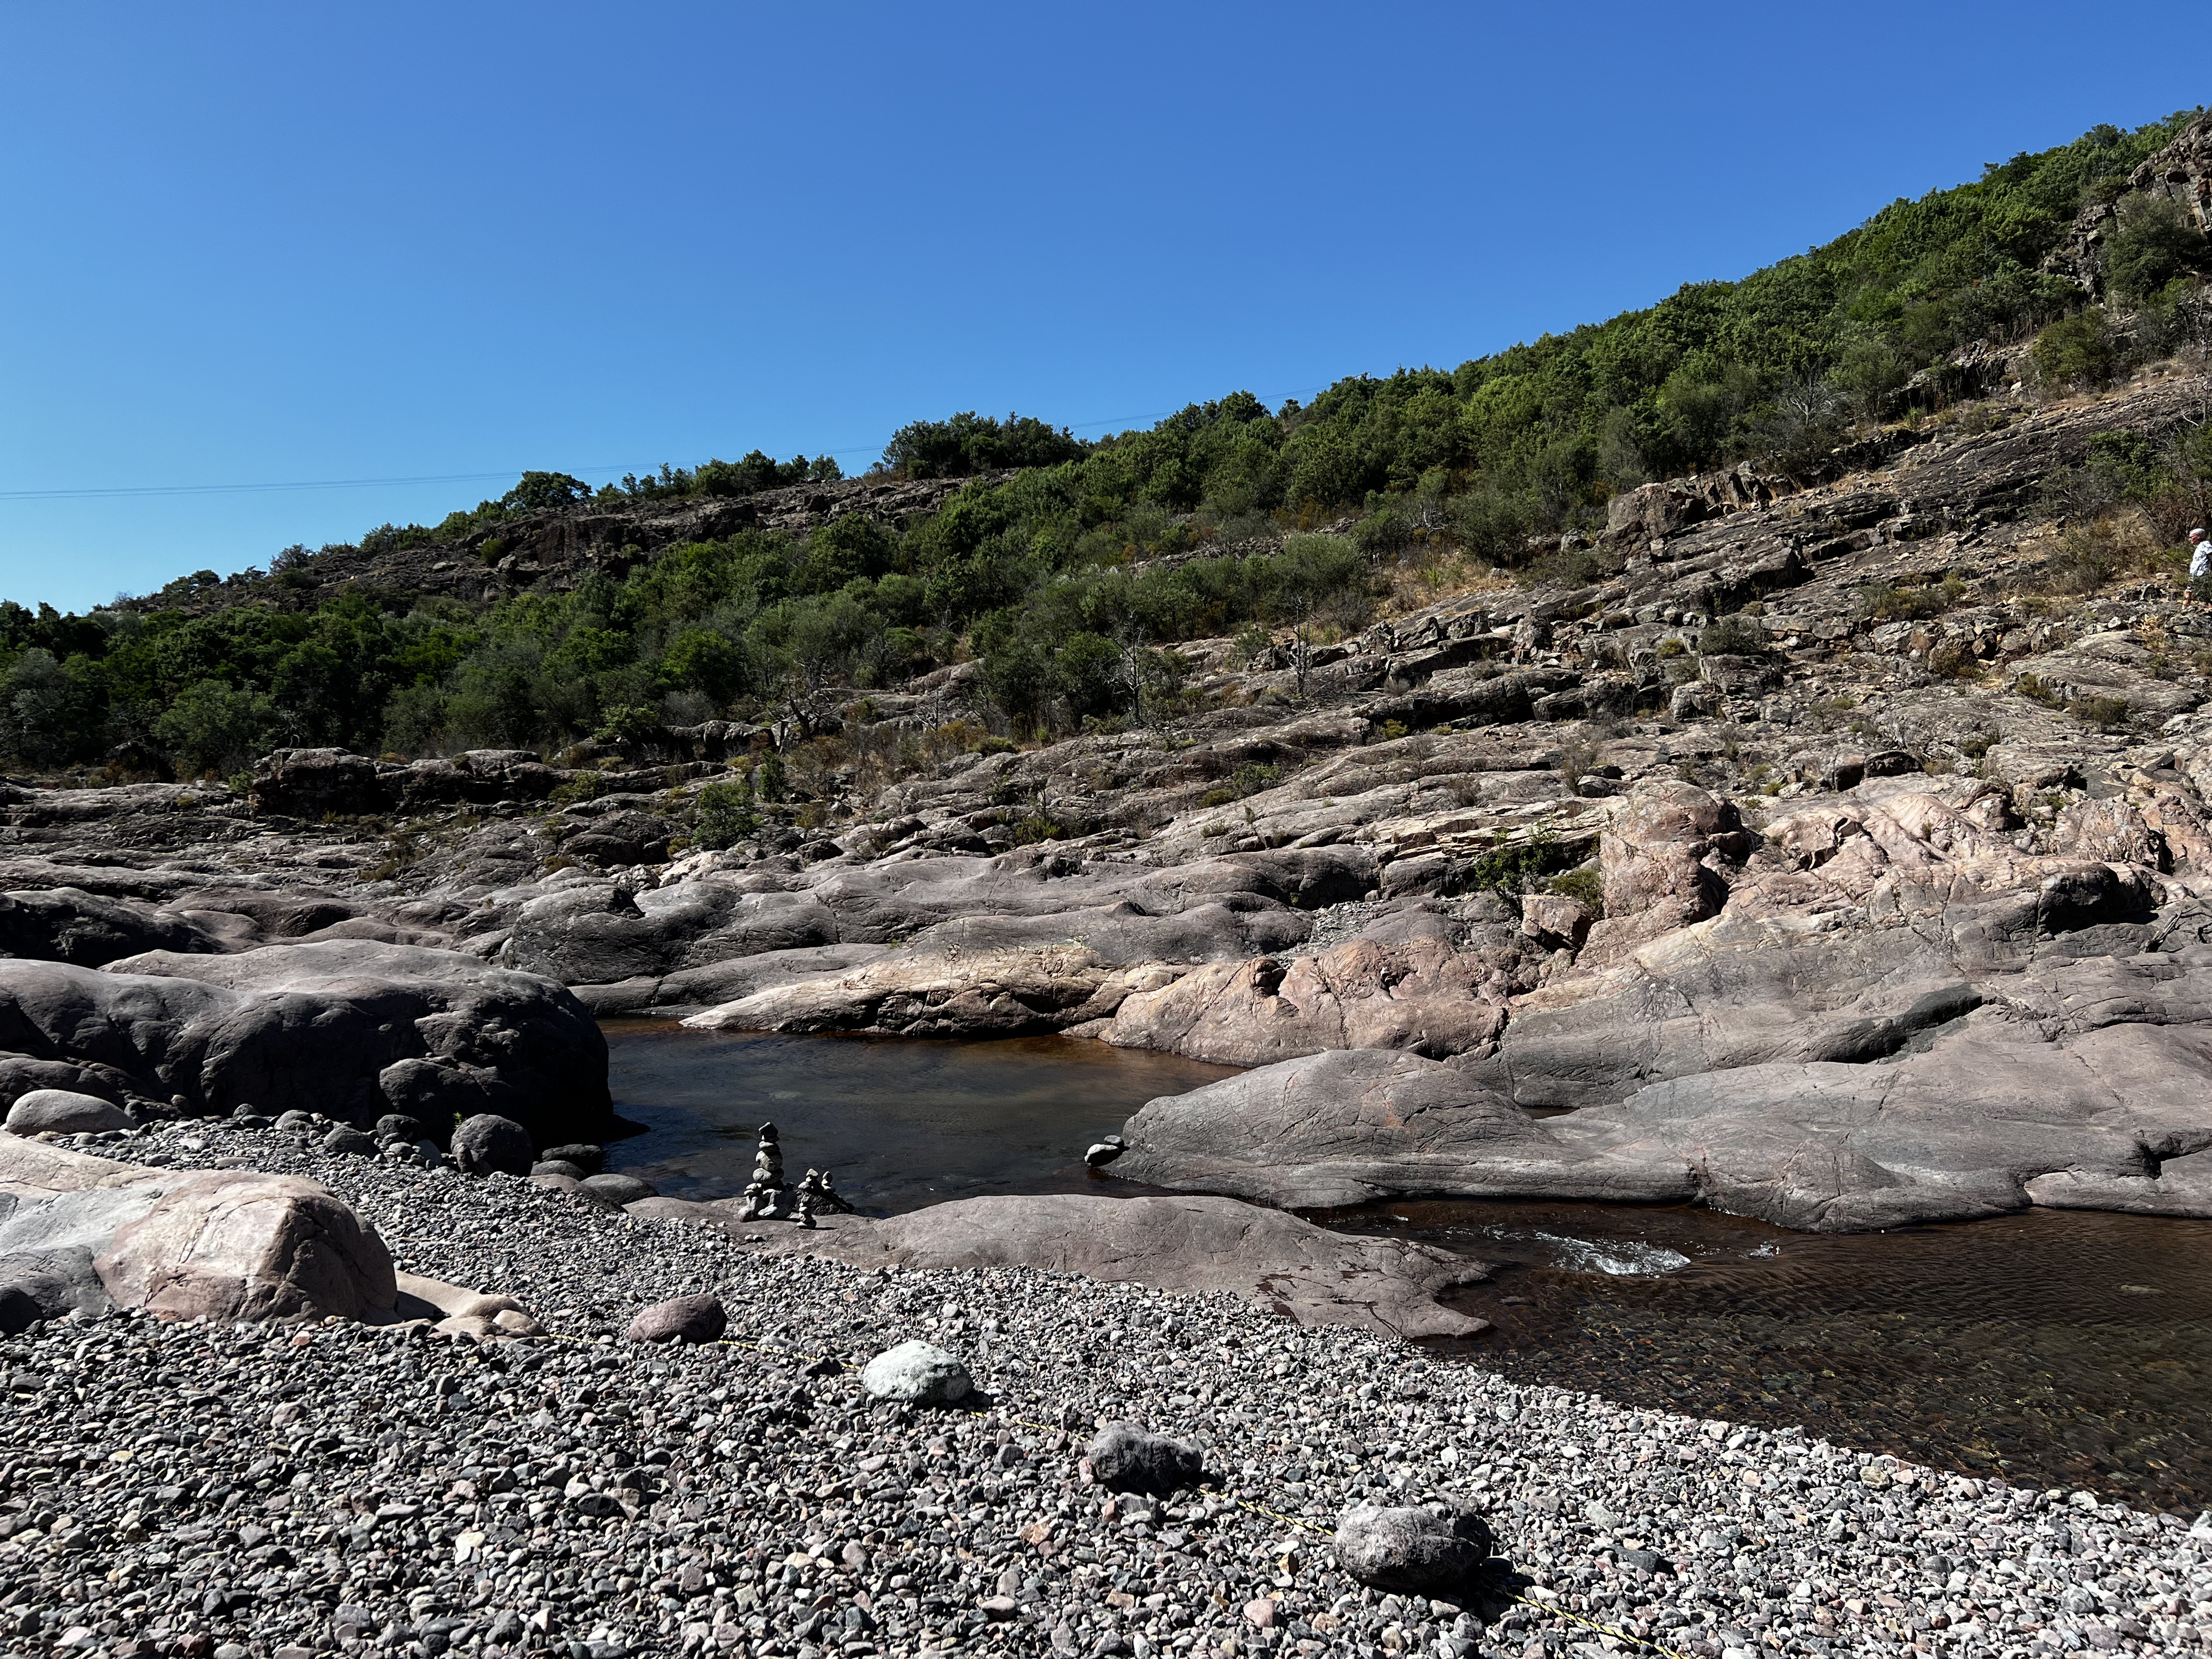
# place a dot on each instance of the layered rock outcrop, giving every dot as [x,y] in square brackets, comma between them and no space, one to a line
[350,1028]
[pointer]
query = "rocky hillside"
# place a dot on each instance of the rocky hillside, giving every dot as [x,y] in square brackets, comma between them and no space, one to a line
[551,550]
[1833,855]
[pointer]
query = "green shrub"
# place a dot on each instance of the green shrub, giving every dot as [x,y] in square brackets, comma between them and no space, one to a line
[2075,351]
[724,816]
[1586,887]
[1733,636]
[2153,244]
[2106,714]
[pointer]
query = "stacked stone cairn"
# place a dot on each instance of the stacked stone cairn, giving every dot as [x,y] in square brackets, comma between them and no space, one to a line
[767,1197]
[818,1193]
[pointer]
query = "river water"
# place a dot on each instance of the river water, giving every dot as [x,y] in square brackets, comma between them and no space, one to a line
[2065,1348]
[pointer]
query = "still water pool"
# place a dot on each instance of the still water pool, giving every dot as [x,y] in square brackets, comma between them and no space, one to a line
[900,1123]
[2066,1348]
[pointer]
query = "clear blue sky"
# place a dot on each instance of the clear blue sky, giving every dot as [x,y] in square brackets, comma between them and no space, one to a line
[277,244]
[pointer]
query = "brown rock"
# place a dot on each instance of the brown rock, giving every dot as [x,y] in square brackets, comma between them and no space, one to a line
[680,1319]
[1420,996]
[234,1244]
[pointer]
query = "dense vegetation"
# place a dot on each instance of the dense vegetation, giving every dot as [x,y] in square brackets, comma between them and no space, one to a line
[1069,576]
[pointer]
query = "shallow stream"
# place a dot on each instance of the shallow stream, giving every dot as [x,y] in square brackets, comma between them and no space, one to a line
[2068,1348]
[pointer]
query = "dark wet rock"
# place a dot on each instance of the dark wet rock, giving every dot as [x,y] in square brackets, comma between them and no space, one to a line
[1124,1458]
[489,1144]
[559,1166]
[589,1158]
[317,1027]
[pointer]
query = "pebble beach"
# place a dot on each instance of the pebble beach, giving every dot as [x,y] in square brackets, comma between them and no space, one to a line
[281,1490]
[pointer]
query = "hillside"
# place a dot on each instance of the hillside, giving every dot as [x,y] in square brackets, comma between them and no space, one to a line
[556,613]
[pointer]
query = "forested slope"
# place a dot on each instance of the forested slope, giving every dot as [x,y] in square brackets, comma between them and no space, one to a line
[1067,565]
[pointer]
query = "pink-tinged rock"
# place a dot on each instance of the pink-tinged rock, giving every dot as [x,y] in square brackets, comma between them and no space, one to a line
[234,1244]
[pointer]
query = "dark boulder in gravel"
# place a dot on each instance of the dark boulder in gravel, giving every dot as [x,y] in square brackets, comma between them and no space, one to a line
[487,1144]
[1124,1458]
[313,1027]
[1416,1550]
[588,1159]
[59,1111]
[347,1138]
[557,1166]
[680,1319]
[41,1284]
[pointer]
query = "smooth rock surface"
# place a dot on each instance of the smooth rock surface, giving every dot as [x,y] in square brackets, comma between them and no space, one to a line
[59,1111]
[916,1373]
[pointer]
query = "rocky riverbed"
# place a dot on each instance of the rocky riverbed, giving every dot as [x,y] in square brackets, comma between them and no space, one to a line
[259,1488]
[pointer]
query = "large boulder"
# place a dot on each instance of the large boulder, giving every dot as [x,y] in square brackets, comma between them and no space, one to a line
[1353,1126]
[693,1319]
[234,1244]
[916,1373]
[67,924]
[317,1027]
[1124,1458]
[227,1243]
[60,1111]
[1419,1550]
[487,1144]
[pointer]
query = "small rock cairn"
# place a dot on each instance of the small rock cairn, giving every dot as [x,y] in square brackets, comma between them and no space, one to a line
[767,1197]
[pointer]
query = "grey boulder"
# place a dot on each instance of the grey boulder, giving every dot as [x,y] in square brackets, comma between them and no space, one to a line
[1124,1458]
[1201,1245]
[1416,1550]
[916,1373]
[615,1190]
[59,1111]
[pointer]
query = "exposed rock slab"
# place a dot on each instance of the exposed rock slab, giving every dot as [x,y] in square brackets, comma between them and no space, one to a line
[1353,1126]
[1200,1244]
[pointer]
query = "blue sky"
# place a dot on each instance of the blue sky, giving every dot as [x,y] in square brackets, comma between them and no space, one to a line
[276,245]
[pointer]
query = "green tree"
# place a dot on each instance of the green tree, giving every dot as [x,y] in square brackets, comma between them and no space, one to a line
[2152,243]
[214,727]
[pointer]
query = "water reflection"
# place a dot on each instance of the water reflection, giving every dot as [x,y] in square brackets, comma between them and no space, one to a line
[2065,1347]
[901,1123]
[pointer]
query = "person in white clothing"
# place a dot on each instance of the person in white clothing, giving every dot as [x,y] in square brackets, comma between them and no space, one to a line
[2200,556]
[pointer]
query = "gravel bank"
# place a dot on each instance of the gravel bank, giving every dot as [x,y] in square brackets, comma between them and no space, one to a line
[250,1491]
